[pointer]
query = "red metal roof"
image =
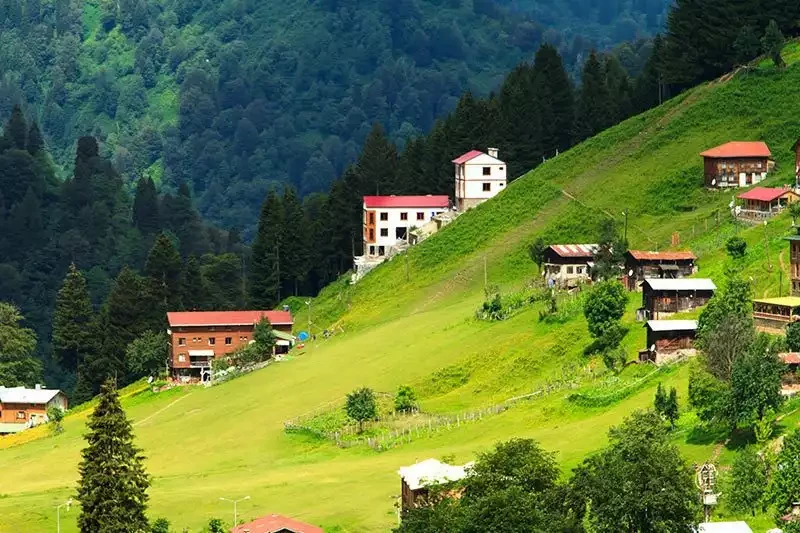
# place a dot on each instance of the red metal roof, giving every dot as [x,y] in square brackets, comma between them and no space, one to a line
[641,255]
[469,156]
[275,522]
[227,318]
[372,202]
[790,358]
[764,194]
[574,250]
[739,149]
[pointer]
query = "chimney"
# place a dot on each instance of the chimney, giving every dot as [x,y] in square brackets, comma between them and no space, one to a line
[493,152]
[38,387]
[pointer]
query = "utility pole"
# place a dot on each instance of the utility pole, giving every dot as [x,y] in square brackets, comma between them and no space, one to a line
[625,237]
[766,246]
[235,516]
[485,274]
[66,504]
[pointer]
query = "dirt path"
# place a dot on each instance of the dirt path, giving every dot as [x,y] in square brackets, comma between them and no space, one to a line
[145,419]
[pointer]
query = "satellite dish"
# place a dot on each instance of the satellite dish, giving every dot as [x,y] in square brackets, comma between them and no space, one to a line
[713,182]
[150,379]
[732,204]
[652,347]
[630,272]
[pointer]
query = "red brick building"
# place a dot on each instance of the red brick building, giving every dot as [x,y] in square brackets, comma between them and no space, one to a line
[197,337]
[736,164]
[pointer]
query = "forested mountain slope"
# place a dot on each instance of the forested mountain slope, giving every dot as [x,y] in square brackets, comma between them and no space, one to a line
[414,323]
[231,97]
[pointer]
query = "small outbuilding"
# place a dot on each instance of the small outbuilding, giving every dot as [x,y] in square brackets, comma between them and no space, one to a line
[761,203]
[667,339]
[664,297]
[772,315]
[569,265]
[640,265]
[416,480]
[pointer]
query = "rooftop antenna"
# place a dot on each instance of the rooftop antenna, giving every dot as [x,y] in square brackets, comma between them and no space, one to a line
[706,481]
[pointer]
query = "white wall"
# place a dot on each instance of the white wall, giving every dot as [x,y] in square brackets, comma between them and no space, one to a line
[395,221]
[470,178]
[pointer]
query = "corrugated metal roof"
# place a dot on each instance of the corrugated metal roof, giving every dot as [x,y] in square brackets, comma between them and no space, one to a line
[681,284]
[672,325]
[574,250]
[739,149]
[275,523]
[785,301]
[764,194]
[469,156]
[641,255]
[790,358]
[431,472]
[724,527]
[25,395]
[227,318]
[373,202]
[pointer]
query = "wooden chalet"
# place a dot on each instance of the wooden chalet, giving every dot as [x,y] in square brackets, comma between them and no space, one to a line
[568,265]
[640,265]
[772,315]
[416,480]
[761,203]
[736,164]
[664,297]
[668,338]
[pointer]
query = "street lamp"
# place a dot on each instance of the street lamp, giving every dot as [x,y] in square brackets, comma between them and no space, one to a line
[308,303]
[235,517]
[66,504]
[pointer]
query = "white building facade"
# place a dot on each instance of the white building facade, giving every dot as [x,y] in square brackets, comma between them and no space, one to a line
[389,219]
[479,176]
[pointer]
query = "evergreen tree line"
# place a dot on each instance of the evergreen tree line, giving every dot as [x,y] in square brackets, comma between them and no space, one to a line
[708,38]
[535,114]
[88,227]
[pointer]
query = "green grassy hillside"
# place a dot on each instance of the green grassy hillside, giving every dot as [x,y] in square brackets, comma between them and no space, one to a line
[412,323]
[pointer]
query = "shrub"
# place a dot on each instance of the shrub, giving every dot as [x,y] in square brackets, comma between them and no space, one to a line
[56,416]
[361,406]
[405,400]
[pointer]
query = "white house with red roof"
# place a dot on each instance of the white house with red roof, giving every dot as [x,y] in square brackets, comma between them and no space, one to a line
[388,220]
[479,176]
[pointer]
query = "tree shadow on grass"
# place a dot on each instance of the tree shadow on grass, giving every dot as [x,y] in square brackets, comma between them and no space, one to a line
[706,435]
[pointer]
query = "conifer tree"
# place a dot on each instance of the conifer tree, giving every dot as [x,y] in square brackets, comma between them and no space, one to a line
[555,99]
[660,400]
[772,44]
[671,412]
[193,287]
[145,207]
[294,250]
[377,164]
[264,275]
[163,268]
[16,130]
[112,488]
[35,142]
[746,45]
[71,321]
[594,102]
[18,366]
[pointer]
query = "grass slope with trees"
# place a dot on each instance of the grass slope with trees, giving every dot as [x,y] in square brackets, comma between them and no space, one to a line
[413,323]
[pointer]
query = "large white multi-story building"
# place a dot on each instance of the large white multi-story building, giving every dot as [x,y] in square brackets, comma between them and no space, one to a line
[479,176]
[389,219]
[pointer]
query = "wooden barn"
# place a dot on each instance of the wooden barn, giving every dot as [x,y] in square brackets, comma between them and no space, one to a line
[772,315]
[640,265]
[664,297]
[668,338]
[736,164]
[568,265]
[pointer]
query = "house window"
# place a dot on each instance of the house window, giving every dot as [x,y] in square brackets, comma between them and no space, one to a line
[371,234]
[243,338]
[21,415]
[228,341]
[420,215]
[371,250]
[384,232]
[181,357]
[403,216]
[181,341]
[384,216]
[381,250]
[371,217]
[487,171]
[501,168]
[579,270]
[212,341]
[487,187]
[569,270]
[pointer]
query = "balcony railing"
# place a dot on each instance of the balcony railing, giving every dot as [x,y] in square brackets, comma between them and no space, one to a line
[200,363]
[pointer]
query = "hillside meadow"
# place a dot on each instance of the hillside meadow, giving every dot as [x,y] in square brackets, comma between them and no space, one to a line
[412,322]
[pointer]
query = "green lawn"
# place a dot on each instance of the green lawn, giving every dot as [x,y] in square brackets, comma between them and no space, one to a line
[415,325]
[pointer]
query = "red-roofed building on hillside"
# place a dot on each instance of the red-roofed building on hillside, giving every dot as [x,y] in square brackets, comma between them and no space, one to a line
[736,164]
[479,176]
[568,265]
[641,265]
[761,203]
[198,337]
[388,219]
[276,523]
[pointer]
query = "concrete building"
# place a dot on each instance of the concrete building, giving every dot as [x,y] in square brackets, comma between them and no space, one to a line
[22,408]
[390,219]
[479,176]
[198,337]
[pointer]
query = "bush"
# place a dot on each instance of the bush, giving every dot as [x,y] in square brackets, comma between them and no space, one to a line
[405,400]
[361,406]
[56,416]
[161,525]
[736,247]
[603,310]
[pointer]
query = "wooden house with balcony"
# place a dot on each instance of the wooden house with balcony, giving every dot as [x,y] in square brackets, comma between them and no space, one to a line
[641,265]
[736,164]
[772,315]
[664,297]
[762,203]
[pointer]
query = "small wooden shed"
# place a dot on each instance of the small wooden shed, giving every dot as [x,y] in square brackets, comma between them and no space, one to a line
[668,337]
[664,297]
[640,264]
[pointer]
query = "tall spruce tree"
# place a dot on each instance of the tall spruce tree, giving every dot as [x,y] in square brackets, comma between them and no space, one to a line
[264,281]
[555,101]
[194,294]
[18,366]
[112,488]
[72,337]
[163,269]
[16,130]
[377,164]
[772,43]
[294,252]
[145,207]
[594,104]
[35,142]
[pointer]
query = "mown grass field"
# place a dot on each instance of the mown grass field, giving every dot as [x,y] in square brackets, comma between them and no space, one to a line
[414,324]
